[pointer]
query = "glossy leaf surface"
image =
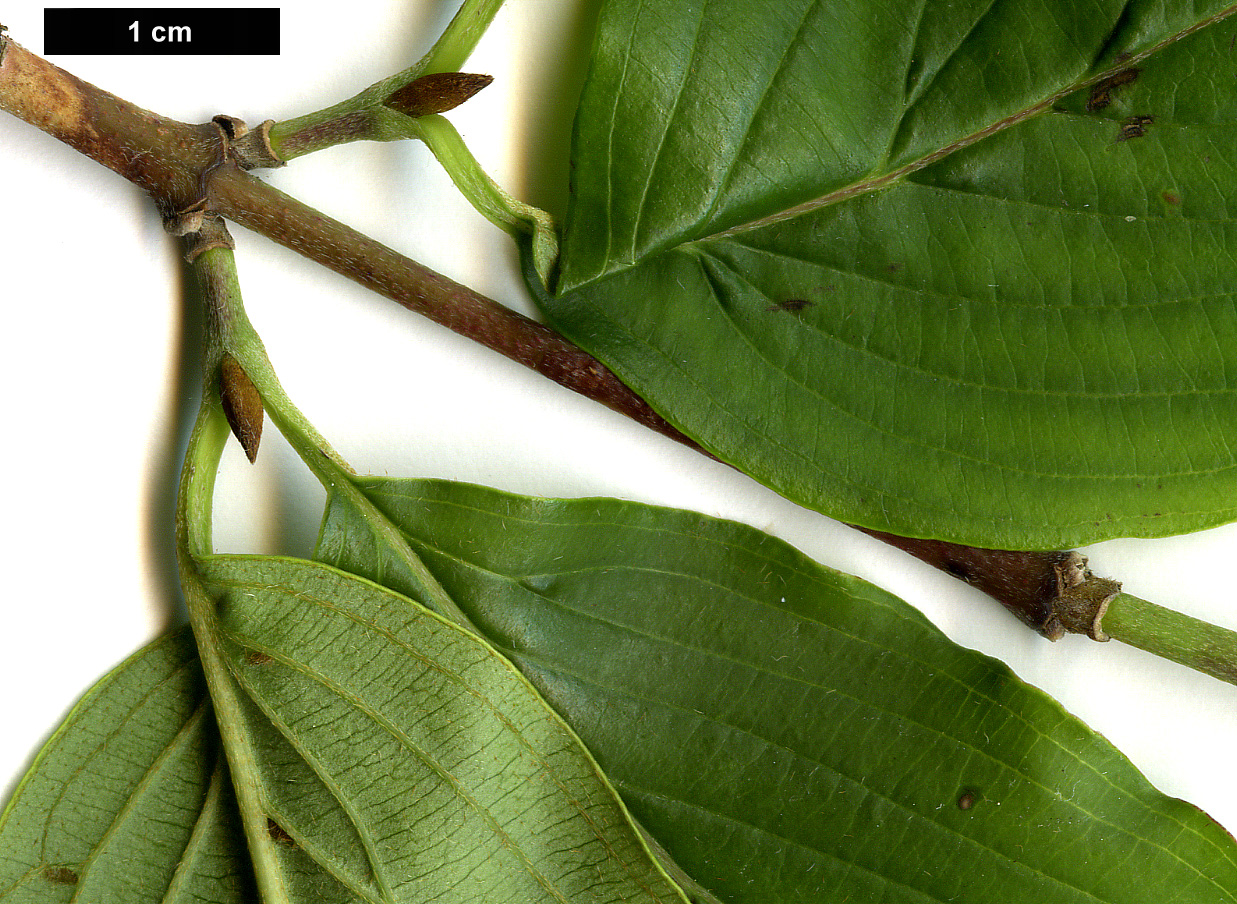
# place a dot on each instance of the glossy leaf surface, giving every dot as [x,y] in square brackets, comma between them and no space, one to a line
[397,758]
[951,269]
[130,799]
[788,733]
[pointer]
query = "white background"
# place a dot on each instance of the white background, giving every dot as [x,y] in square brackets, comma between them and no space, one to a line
[99,379]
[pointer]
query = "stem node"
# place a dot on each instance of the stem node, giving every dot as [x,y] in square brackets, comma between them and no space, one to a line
[1082,600]
[253,148]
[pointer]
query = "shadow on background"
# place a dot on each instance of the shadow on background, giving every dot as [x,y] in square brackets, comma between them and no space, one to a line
[544,133]
[170,451]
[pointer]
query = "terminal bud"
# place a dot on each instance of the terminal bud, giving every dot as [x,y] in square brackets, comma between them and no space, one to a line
[436,93]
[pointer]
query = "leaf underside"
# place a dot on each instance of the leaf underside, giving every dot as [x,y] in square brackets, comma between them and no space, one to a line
[130,800]
[395,759]
[949,269]
[400,759]
[788,733]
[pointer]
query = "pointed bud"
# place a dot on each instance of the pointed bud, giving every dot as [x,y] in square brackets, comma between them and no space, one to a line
[241,405]
[436,93]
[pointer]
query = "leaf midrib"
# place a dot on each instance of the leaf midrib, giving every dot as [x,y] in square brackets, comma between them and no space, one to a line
[784,840]
[898,805]
[397,734]
[1099,774]
[883,180]
[185,735]
[859,702]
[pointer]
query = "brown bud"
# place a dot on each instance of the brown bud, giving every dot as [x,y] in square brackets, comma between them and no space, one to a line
[436,93]
[241,405]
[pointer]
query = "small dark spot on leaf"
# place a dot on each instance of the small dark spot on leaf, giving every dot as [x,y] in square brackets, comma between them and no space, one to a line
[1134,127]
[1170,198]
[61,875]
[793,305]
[893,268]
[1101,92]
[254,657]
[278,835]
[967,800]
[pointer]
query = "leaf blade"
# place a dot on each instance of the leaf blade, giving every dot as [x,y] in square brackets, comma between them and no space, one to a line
[430,747]
[963,341]
[788,733]
[129,791]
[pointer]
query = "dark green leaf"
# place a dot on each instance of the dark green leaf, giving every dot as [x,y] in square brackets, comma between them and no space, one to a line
[958,269]
[786,732]
[395,758]
[130,800]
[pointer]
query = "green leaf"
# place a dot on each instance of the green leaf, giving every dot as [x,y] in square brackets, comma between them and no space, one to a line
[130,800]
[950,269]
[786,732]
[392,757]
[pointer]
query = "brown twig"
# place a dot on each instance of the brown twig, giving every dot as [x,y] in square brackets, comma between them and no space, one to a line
[252,203]
[191,169]
[162,156]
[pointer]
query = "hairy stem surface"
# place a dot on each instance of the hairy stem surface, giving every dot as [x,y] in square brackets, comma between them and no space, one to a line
[190,170]
[1173,635]
[363,117]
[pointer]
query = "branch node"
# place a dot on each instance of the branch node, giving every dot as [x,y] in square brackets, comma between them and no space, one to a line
[211,233]
[232,127]
[253,148]
[187,221]
[233,132]
[1081,600]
